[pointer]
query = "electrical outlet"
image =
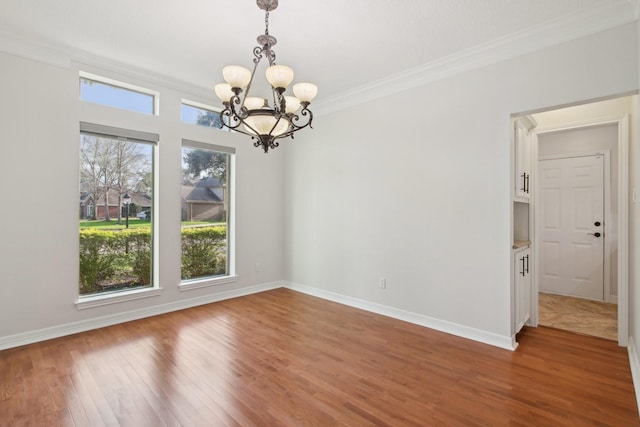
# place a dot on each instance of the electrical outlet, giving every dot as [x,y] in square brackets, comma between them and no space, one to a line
[382,283]
[257,267]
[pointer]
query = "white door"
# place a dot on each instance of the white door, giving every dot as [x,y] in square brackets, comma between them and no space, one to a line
[572,226]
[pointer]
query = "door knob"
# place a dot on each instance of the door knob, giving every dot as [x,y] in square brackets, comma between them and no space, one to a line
[595,234]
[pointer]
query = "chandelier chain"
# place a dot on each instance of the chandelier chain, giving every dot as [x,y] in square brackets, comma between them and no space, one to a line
[266,22]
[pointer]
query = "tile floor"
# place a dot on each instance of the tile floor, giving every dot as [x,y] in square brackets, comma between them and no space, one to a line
[579,315]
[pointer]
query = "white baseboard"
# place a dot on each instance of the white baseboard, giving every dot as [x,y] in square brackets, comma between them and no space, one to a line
[612,299]
[634,363]
[484,337]
[100,322]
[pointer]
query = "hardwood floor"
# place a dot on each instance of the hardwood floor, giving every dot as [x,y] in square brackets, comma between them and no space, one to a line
[281,358]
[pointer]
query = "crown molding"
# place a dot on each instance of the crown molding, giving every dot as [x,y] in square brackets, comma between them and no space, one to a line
[88,62]
[64,57]
[32,49]
[602,17]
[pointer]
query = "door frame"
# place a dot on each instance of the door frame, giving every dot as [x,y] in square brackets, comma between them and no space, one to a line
[622,122]
[606,185]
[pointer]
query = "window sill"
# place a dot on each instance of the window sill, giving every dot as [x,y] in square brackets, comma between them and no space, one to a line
[204,283]
[114,298]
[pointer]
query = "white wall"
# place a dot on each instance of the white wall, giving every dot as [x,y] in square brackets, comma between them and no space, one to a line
[634,241]
[416,187]
[40,112]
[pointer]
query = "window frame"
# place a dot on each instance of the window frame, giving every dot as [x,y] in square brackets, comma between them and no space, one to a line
[121,85]
[100,299]
[230,277]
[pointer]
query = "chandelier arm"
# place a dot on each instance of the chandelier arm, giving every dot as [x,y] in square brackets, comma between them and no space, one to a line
[238,114]
[253,73]
[278,100]
[231,121]
[241,121]
[237,128]
[305,113]
[271,56]
[234,117]
[266,142]
[292,118]
[257,53]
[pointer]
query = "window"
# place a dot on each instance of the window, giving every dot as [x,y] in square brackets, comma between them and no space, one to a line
[117,94]
[200,114]
[116,209]
[206,211]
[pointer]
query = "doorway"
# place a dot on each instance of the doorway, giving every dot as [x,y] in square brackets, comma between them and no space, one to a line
[581,128]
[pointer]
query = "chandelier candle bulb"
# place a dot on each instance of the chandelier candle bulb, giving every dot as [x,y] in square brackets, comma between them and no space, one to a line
[236,76]
[292,103]
[280,76]
[223,91]
[305,92]
[265,124]
[254,103]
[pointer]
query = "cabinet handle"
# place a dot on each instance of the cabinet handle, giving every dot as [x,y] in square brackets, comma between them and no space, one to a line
[524,182]
[522,272]
[527,257]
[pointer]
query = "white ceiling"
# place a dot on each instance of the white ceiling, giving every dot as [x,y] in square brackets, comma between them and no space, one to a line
[338,44]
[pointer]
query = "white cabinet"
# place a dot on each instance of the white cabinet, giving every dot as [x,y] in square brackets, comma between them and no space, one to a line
[522,283]
[524,140]
[523,146]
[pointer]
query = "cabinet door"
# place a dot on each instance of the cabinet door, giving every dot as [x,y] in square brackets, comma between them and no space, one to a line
[522,139]
[522,284]
[525,294]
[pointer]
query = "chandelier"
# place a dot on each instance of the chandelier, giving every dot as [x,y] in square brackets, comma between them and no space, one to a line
[265,123]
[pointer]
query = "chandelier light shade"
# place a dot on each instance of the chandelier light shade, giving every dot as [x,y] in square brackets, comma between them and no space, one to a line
[265,120]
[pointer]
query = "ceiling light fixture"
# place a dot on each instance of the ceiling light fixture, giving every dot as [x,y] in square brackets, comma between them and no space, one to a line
[253,116]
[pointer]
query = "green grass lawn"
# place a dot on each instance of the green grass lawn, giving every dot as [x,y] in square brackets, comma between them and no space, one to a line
[133,223]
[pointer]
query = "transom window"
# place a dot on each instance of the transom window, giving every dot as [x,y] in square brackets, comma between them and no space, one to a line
[200,114]
[117,94]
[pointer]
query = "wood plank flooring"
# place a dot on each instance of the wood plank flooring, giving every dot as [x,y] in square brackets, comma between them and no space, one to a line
[281,358]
